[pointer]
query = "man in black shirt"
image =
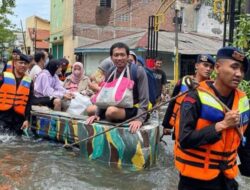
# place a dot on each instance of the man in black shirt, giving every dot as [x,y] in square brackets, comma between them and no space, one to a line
[16,90]
[161,79]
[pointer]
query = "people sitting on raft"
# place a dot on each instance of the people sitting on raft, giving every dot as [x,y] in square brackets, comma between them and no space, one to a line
[97,78]
[39,66]
[48,89]
[119,53]
[77,82]
[66,69]
[105,68]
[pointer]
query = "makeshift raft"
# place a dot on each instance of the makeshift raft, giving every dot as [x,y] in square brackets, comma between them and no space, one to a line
[117,147]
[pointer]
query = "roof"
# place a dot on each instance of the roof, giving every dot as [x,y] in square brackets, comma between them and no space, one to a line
[38,18]
[189,43]
[40,34]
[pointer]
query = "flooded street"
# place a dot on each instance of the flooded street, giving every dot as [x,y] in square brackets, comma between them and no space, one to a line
[40,165]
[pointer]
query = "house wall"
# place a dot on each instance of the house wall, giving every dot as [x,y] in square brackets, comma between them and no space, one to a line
[206,24]
[36,23]
[123,18]
[68,49]
[57,27]
[92,60]
[198,18]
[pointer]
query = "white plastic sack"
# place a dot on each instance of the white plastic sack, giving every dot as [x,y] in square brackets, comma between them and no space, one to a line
[78,104]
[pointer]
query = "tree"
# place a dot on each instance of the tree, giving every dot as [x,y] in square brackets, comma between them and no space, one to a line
[242,41]
[242,38]
[6,34]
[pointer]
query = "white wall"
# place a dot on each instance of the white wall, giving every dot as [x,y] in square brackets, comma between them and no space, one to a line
[208,25]
[198,20]
[92,60]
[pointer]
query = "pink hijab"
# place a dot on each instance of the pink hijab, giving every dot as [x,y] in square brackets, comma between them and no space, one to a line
[77,76]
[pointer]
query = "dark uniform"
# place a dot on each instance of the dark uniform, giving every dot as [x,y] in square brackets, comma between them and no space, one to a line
[179,87]
[200,146]
[190,112]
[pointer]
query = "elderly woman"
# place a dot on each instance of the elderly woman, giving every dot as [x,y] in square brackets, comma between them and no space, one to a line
[77,81]
[48,89]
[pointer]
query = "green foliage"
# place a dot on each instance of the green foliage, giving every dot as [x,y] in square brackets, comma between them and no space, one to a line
[213,75]
[6,34]
[245,86]
[242,37]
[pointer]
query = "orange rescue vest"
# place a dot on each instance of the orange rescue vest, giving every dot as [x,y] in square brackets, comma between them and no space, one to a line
[9,66]
[207,161]
[178,102]
[11,96]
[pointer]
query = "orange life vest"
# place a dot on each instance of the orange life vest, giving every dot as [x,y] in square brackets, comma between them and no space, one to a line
[9,66]
[207,161]
[11,96]
[178,102]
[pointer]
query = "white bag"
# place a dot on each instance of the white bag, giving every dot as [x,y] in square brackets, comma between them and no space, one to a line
[118,92]
[78,104]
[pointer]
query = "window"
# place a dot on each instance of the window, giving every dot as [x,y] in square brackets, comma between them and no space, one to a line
[123,17]
[105,3]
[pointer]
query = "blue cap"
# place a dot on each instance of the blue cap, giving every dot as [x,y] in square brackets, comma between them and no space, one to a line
[205,58]
[234,54]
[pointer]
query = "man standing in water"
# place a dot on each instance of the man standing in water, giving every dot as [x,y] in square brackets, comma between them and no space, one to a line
[203,69]
[161,79]
[16,90]
[207,136]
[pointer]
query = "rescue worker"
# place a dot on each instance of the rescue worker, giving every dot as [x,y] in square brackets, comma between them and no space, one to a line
[203,69]
[16,90]
[9,66]
[207,137]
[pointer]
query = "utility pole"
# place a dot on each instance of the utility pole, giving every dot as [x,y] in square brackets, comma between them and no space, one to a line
[176,64]
[24,42]
[35,34]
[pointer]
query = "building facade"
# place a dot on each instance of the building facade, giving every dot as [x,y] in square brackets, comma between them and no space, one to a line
[37,34]
[77,23]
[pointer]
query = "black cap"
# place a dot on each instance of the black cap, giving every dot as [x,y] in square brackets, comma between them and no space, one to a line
[234,54]
[23,57]
[16,51]
[205,58]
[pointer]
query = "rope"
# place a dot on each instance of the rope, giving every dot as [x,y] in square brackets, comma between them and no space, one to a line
[191,85]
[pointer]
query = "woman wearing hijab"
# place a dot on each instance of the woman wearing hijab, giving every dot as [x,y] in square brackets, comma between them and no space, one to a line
[48,89]
[77,81]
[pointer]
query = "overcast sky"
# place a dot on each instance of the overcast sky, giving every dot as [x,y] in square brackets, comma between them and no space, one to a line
[26,8]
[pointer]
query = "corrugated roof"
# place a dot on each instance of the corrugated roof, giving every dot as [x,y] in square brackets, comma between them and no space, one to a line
[189,43]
